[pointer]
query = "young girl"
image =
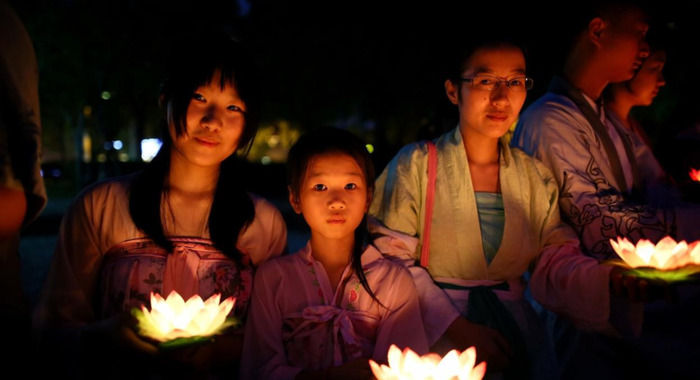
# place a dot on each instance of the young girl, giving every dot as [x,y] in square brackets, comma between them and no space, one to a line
[324,311]
[183,223]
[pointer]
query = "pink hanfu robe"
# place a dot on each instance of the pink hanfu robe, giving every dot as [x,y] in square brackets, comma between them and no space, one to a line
[104,265]
[135,268]
[296,321]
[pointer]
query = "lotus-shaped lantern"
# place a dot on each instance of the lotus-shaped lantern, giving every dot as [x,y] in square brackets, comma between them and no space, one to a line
[407,364]
[667,260]
[175,323]
[695,174]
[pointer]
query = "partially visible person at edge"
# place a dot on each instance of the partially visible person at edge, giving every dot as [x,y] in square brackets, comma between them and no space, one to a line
[605,174]
[184,223]
[658,343]
[604,170]
[495,217]
[22,190]
[640,91]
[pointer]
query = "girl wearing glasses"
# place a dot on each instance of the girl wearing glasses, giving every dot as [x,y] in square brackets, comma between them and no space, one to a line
[494,218]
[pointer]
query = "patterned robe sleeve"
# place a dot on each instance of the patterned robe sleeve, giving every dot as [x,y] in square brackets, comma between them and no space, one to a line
[589,200]
[565,280]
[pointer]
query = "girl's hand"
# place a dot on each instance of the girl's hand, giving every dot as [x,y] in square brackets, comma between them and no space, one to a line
[224,350]
[640,290]
[120,332]
[491,346]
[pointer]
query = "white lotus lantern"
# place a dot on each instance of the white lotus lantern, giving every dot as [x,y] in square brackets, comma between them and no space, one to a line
[408,365]
[695,174]
[668,260]
[174,322]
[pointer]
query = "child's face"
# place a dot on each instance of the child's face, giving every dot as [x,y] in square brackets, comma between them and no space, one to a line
[333,197]
[215,123]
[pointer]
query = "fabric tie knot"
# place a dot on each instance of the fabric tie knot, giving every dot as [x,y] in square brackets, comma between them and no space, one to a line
[342,328]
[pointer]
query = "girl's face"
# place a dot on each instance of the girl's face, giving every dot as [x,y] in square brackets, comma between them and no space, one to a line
[489,113]
[333,197]
[649,79]
[215,123]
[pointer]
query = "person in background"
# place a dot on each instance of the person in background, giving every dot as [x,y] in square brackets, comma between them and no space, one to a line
[324,311]
[603,170]
[184,223]
[22,190]
[640,91]
[605,175]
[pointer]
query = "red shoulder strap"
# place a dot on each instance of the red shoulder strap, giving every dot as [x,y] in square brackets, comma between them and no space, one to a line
[430,193]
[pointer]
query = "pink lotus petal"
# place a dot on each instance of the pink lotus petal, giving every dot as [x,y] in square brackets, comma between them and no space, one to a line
[407,364]
[478,372]
[667,254]
[627,252]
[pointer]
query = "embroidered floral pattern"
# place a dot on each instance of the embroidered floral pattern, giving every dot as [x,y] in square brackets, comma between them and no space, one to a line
[315,283]
[353,296]
[609,215]
[134,269]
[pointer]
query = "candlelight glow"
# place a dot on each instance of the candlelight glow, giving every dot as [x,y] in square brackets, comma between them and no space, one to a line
[667,260]
[408,365]
[695,174]
[666,254]
[173,318]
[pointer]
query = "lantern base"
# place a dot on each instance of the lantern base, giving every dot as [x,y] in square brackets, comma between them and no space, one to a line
[687,273]
[180,343]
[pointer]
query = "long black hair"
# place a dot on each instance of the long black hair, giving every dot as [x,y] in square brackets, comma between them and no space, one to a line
[334,140]
[232,208]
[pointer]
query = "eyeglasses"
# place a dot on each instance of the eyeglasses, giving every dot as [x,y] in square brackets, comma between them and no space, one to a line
[489,82]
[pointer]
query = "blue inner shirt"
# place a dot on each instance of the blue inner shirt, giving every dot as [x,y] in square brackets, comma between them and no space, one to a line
[492,219]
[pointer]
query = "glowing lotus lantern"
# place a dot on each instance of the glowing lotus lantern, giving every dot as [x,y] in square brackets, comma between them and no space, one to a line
[175,323]
[667,260]
[695,174]
[408,365]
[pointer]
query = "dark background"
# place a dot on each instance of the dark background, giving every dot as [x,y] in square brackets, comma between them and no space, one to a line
[369,66]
